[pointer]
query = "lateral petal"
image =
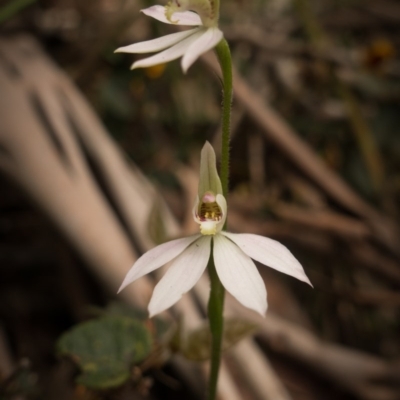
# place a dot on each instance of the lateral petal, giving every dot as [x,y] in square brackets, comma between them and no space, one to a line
[170,54]
[181,276]
[239,275]
[155,258]
[188,18]
[210,38]
[221,201]
[150,46]
[269,252]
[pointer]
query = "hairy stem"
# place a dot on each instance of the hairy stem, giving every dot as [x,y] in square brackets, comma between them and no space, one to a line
[217,295]
[215,308]
[225,61]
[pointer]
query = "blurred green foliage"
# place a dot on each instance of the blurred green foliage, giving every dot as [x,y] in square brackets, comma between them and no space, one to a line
[12,8]
[196,344]
[105,349]
[22,383]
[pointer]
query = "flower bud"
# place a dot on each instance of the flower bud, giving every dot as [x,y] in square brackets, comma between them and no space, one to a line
[206,9]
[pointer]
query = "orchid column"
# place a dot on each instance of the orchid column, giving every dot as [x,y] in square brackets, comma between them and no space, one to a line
[226,255]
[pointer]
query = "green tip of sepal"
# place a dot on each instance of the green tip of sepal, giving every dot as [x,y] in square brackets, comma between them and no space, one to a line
[209,178]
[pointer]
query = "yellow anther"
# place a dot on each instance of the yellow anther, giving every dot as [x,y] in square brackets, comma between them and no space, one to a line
[210,211]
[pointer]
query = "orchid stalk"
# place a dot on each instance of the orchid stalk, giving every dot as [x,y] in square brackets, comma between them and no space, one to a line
[227,256]
[217,292]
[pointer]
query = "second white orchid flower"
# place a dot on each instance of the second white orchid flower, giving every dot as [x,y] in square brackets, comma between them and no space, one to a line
[232,253]
[190,44]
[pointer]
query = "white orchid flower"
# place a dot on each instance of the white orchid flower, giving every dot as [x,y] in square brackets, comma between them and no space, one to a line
[190,44]
[232,252]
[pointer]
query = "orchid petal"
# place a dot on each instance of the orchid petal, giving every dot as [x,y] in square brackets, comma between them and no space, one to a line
[150,46]
[181,276]
[188,18]
[239,275]
[269,252]
[210,38]
[195,209]
[209,178]
[157,257]
[170,54]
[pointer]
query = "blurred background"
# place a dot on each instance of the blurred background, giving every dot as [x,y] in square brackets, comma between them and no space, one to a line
[99,164]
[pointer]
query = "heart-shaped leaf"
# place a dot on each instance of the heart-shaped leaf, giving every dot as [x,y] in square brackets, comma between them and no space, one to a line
[105,349]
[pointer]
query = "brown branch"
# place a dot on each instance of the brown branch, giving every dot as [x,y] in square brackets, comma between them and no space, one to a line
[278,131]
[65,161]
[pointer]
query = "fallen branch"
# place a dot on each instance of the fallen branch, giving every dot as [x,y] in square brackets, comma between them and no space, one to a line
[58,152]
[278,131]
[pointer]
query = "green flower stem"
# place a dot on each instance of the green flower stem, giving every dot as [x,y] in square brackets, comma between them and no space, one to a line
[225,61]
[215,308]
[216,9]
[217,294]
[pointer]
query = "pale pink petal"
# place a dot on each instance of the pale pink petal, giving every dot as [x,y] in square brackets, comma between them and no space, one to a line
[195,210]
[187,18]
[158,44]
[170,54]
[210,38]
[157,257]
[239,275]
[181,276]
[269,252]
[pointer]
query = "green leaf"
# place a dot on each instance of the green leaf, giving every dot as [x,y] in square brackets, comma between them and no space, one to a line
[105,349]
[124,310]
[198,343]
[160,329]
[105,377]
